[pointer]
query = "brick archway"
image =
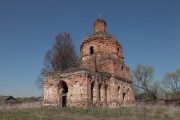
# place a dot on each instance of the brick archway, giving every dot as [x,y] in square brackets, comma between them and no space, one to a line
[63,90]
[92,91]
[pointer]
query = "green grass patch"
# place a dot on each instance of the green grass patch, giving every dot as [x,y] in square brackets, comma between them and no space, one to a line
[124,113]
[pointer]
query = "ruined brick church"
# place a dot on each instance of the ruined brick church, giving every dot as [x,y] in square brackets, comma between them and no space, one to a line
[102,80]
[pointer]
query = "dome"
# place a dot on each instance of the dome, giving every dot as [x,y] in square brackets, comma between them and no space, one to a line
[100,20]
[99,32]
[100,35]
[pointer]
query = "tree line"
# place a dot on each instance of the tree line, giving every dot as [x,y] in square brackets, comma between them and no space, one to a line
[144,83]
[62,56]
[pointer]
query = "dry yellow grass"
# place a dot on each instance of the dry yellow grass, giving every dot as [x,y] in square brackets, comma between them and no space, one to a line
[34,111]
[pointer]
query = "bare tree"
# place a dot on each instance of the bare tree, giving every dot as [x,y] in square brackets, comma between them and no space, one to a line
[172,81]
[60,57]
[142,78]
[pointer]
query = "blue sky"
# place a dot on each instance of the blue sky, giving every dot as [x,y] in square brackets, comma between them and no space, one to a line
[149,31]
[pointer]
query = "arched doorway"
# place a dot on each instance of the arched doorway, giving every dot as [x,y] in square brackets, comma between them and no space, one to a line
[92,91]
[124,93]
[63,89]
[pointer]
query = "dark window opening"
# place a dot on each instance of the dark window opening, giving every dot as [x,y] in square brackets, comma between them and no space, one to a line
[106,90]
[118,91]
[122,68]
[99,92]
[91,50]
[118,49]
[92,92]
[118,88]
[124,96]
[65,88]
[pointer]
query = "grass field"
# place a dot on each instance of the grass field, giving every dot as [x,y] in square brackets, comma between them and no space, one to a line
[138,112]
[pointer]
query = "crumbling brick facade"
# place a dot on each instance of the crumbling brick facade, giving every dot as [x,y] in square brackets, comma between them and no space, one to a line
[103,79]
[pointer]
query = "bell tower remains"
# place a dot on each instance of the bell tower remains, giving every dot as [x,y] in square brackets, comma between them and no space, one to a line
[102,52]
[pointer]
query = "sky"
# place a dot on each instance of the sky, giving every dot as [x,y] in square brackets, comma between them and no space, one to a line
[148,30]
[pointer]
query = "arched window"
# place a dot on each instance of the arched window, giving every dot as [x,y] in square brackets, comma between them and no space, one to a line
[124,94]
[118,92]
[91,50]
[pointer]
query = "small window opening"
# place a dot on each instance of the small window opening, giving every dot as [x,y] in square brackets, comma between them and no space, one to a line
[118,49]
[118,92]
[122,68]
[124,96]
[91,50]
[118,88]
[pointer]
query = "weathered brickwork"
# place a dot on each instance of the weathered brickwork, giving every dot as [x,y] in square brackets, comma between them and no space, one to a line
[103,79]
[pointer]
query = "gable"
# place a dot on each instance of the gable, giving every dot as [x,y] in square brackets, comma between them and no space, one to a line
[7,99]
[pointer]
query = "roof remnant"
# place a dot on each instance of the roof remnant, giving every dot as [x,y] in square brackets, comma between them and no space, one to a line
[7,99]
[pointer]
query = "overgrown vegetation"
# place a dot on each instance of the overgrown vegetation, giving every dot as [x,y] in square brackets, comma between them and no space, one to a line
[149,89]
[137,112]
[142,78]
[172,81]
